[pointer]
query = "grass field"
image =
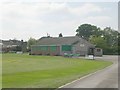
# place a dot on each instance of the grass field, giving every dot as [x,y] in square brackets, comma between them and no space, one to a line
[27,71]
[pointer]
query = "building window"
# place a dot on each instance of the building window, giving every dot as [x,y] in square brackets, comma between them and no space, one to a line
[44,48]
[66,47]
[98,50]
[53,48]
[82,45]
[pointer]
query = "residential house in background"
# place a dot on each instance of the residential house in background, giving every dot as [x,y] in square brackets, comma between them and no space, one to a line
[13,46]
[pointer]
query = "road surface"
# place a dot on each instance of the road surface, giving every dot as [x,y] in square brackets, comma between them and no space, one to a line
[106,78]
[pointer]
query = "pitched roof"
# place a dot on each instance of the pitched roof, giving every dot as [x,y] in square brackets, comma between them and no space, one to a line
[6,43]
[11,42]
[61,40]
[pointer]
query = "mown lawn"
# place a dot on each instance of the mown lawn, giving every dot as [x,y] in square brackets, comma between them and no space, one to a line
[27,71]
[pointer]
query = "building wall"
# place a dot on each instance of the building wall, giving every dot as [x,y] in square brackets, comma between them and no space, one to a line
[98,52]
[62,52]
[56,52]
[40,51]
[80,48]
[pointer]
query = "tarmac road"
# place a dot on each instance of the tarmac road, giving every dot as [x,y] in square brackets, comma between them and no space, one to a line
[106,78]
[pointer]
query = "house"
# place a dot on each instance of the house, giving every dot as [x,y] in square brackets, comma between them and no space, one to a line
[13,45]
[62,45]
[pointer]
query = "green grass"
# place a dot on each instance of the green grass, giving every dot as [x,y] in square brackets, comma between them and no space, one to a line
[27,71]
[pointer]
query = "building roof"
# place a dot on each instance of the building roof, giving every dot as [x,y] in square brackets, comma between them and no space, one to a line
[6,43]
[11,42]
[62,40]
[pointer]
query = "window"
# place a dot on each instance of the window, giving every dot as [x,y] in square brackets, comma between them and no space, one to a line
[82,45]
[34,48]
[53,48]
[98,50]
[66,47]
[44,48]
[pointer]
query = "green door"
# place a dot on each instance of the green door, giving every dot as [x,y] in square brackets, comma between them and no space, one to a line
[66,48]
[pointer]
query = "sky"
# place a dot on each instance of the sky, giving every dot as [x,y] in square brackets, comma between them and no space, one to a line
[22,20]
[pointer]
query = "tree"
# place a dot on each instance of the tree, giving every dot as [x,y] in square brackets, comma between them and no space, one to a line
[86,30]
[98,41]
[60,35]
[111,36]
[30,42]
[109,44]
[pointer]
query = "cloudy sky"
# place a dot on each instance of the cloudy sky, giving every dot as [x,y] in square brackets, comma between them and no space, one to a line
[23,20]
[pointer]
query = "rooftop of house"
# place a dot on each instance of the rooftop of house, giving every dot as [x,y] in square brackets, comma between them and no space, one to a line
[11,42]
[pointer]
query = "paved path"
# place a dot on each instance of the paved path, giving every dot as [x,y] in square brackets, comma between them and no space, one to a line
[106,78]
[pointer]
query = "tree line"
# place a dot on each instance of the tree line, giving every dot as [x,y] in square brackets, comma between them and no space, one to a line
[108,39]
